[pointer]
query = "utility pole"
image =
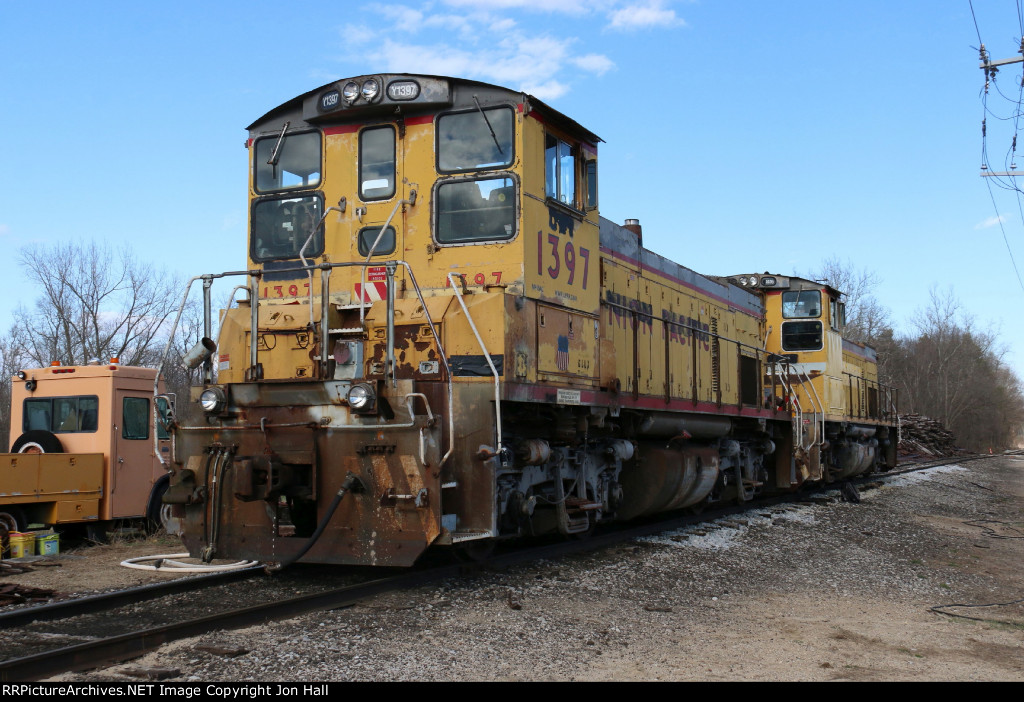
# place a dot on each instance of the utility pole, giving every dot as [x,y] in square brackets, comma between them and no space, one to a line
[991,68]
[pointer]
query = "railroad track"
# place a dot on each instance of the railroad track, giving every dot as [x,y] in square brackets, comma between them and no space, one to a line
[39,652]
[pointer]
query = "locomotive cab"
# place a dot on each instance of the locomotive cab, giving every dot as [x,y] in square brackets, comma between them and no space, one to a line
[832,381]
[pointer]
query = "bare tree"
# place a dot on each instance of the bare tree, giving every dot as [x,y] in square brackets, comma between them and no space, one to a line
[953,372]
[94,302]
[866,317]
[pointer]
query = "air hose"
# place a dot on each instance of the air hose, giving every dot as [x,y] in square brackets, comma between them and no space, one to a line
[351,483]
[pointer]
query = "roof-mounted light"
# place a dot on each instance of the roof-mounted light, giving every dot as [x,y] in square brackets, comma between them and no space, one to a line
[370,90]
[350,92]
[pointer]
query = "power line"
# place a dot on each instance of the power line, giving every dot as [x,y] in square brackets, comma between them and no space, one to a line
[991,68]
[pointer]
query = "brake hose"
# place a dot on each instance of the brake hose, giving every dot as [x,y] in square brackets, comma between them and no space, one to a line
[350,483]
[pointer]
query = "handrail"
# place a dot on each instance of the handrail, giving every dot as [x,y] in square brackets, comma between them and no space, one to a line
[255,274]
[497,380]
[369,254]
[820,438]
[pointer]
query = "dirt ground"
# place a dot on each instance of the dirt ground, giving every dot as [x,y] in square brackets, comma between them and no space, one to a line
[822,591]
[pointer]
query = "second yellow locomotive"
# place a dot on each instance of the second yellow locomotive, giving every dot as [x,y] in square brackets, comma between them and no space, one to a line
[443,343]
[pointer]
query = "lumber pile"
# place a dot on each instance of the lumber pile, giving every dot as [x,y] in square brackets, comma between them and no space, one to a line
[925,436]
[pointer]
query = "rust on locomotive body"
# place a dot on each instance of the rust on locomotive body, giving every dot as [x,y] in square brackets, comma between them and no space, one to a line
[444,344]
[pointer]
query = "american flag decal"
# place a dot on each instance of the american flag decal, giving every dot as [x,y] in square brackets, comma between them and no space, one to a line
[562,356]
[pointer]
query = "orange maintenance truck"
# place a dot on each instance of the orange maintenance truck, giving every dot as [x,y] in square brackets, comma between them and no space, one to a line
[86,448]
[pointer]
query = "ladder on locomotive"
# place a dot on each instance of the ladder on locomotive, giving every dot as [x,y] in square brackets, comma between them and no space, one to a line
[804,439]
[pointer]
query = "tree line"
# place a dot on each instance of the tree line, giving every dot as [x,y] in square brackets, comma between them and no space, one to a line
[944,365]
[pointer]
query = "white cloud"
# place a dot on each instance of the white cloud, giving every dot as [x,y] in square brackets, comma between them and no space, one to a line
[644,15]
[990,222]
[594,63]
[4,230]
[571,7]
[494,40]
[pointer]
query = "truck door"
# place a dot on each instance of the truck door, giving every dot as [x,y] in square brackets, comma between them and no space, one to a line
[132,458]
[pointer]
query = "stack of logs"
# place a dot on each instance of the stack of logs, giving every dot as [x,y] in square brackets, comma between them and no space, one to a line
[923,435]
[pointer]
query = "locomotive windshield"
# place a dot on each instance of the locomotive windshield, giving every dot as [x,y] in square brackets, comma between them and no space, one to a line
[288,163]
[801,336]
[475,210]
[801,303]
[280,227]
[468,141]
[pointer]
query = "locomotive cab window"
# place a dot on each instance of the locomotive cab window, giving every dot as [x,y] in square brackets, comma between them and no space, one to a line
[801,336]
[368,235]
[61,415]
[280,227]
[801,303]
[591,187]
[377,163]
[287,163]
[475,140]
[476,210]
[837,313]
[560,171]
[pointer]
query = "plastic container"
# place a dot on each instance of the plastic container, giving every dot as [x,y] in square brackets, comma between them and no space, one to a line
[47,543]
[22,544]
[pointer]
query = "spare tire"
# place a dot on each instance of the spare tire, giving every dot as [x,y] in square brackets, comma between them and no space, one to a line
[37,441]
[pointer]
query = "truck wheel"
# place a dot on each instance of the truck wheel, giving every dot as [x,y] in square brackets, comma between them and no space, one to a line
[37,441]
[158,514]
[11,519]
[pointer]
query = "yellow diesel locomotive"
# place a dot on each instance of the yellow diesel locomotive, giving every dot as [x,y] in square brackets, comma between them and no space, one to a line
[442,343]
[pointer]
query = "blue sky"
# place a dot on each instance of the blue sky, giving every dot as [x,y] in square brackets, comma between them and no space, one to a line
[746,136]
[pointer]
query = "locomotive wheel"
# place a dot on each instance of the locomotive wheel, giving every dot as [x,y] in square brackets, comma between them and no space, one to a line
[473,551]
[37,441]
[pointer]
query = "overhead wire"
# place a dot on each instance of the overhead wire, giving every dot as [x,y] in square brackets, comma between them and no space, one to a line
[1005,182]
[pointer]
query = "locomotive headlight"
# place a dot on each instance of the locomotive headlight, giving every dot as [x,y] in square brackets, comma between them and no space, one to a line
[370,90]
[213,400]
[361,397]
[351,92]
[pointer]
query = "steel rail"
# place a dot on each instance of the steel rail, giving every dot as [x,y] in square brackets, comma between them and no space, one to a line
[134,644]
[91,604]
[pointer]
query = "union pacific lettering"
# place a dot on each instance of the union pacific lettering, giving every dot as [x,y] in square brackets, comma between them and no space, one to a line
[624,312]
[680,328]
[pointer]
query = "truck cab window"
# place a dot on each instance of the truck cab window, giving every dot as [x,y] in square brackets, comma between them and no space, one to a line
[135,418]
[61,415]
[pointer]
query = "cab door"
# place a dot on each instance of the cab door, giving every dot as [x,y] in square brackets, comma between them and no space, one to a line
[133,456]
[381,186]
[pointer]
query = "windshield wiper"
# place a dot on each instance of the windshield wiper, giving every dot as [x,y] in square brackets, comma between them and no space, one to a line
[484,115]
[275,155]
